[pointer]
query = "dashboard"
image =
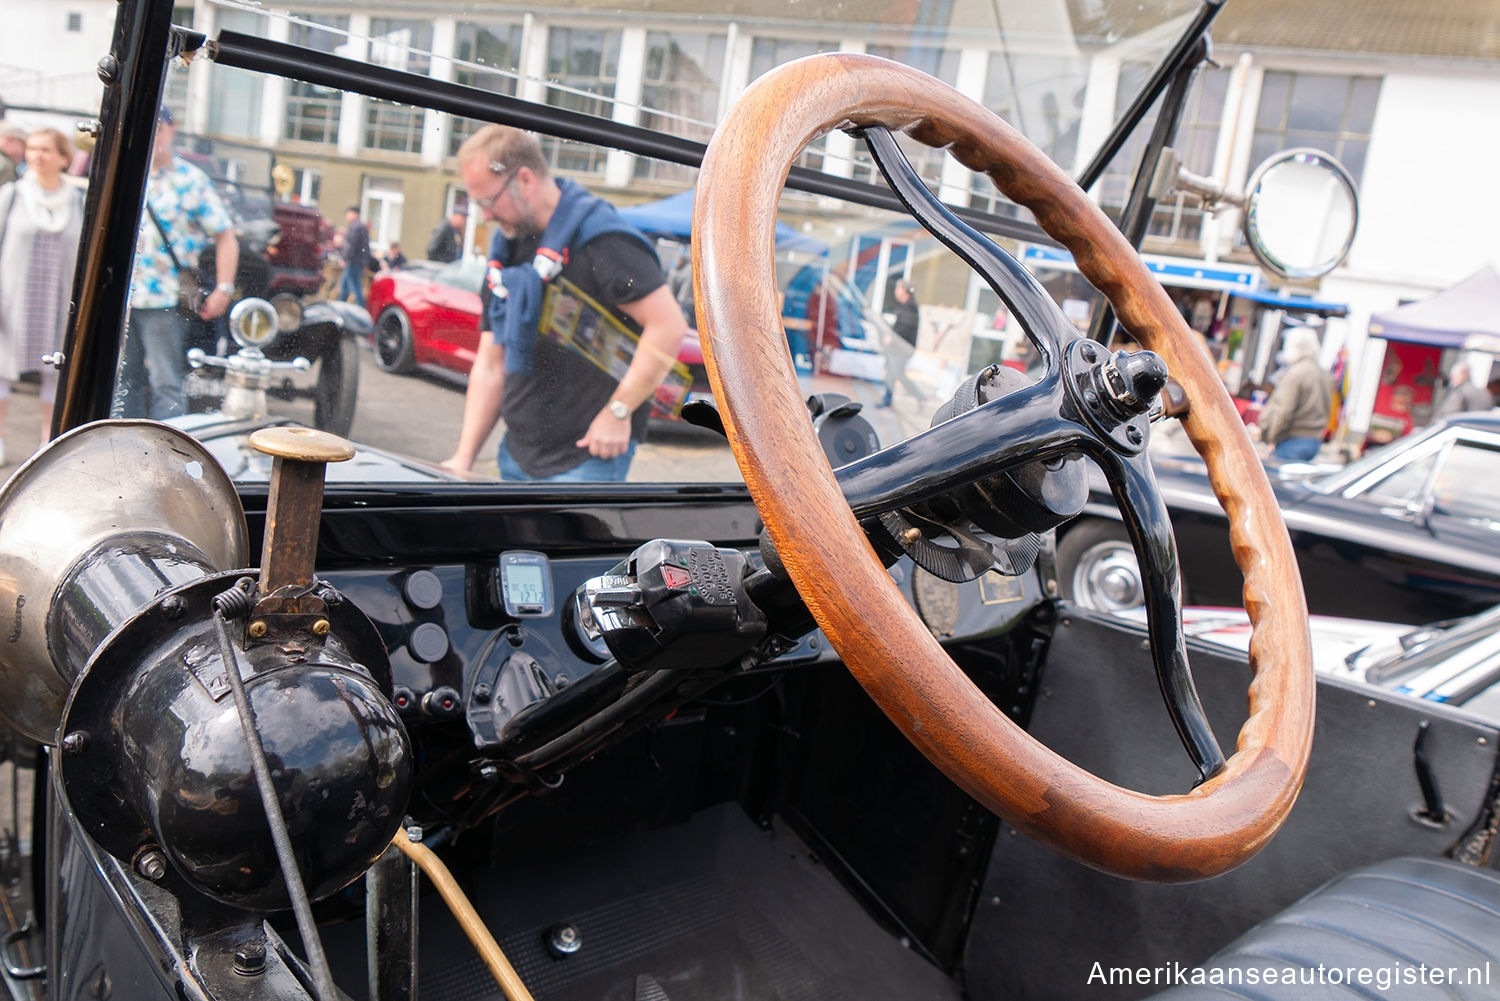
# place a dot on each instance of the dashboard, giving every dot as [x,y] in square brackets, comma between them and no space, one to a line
[481,643]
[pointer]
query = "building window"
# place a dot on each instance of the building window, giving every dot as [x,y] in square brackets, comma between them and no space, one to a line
[307,185]
[928,162]
[312,112]
[1179,219]
[768,53]
[402,45]
[1042,97]
[1327,112]
[680,94]
[75,21]
[488,57]
[582,66]
[234,95]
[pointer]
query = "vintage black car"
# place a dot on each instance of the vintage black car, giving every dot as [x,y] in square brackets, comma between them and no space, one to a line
[1409,532]
[805,732]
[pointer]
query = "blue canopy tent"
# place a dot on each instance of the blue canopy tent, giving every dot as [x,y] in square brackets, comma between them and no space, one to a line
[1448,319]
[672,217]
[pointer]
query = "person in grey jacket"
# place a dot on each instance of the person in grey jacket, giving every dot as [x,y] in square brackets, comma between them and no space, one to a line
[1300,406]
[1463,395]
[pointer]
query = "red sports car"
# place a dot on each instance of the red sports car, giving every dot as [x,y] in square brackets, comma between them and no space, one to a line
[427,317]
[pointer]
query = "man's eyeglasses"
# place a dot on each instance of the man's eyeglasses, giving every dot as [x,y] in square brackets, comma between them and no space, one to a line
[489,201]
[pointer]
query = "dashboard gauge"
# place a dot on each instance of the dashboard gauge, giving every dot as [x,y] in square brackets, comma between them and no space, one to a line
[936,600]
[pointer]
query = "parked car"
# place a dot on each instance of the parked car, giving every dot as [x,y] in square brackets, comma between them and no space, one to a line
[1408,532]
[816,733]
[288,237]
[1455,662]
[426,317]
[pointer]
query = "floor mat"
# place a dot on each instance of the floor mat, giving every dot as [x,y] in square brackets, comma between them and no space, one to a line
[712,910]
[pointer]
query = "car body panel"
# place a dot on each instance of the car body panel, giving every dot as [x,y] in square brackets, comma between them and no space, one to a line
[1362,555]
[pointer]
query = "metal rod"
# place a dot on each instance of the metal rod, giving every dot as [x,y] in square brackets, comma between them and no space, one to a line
[317,959]
[1135,220]
[134,74]
[1181,52]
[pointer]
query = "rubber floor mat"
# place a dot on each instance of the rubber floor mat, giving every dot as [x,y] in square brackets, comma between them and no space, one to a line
[712,910]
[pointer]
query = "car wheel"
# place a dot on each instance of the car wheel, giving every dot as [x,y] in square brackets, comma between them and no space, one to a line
[393,343]
[337,387]
[1097,568]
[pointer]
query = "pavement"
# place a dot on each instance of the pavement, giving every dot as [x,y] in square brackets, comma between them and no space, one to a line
[23,427]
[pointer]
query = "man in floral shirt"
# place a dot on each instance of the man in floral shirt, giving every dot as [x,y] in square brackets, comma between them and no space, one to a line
[183,208]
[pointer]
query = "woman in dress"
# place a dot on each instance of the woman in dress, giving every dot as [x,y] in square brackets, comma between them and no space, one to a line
[41,217]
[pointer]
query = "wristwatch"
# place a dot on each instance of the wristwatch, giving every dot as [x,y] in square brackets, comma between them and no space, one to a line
[617,408]
[226,287]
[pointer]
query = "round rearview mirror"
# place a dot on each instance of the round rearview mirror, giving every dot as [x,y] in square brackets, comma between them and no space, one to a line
[253,323]
[1301,211]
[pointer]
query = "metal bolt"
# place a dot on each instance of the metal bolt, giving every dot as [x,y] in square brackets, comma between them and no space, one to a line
[1133,434]
[482,692]
[911,536]
[54,359]
[100,986]
[414,834]
[151,864]
[320,627]
[108,69]
[563,940]
[75,742]
[173,607]
[257,629]
[89,127]
[250,959]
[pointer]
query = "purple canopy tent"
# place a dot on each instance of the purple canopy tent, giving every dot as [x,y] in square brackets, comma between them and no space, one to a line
[1449,318]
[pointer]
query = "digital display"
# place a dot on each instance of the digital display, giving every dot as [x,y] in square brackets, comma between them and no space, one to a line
[523,584]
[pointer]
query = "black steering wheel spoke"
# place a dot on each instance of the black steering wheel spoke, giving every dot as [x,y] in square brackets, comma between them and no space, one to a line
[1133,484]
[1039,315]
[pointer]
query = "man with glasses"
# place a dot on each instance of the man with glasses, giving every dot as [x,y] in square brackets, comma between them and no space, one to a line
[566,416]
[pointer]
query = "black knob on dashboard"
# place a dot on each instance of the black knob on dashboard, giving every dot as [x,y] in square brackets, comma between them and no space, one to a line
[442,702]
[404,700]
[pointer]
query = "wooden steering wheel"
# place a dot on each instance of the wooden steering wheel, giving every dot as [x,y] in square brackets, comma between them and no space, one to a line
[1228,817]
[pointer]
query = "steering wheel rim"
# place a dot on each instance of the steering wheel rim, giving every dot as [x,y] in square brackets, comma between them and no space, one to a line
[1171,838]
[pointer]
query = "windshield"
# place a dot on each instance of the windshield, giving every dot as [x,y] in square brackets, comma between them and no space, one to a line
[353,214]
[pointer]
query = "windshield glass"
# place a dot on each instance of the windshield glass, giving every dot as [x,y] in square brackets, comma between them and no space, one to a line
[355,217]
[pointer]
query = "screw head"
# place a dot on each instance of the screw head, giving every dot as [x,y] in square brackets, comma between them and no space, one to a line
[257,629]
[563,940]
[320,627]
[75,741]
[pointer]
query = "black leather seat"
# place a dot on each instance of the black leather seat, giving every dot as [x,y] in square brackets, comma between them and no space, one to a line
[1407,929]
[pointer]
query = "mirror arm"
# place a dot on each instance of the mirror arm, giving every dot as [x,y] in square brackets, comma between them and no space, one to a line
[1172,178]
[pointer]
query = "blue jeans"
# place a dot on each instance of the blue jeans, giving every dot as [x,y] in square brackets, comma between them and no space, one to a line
[352,284]
[590,470]
[152,365]
[1298,449]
